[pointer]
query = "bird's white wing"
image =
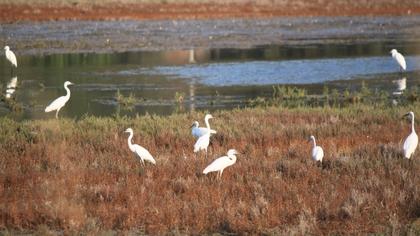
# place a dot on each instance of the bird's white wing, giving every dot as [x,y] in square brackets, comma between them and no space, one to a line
[144,154]
[11,57]
[196,132]
[401,61]
[202,142]
[218,164]
[57,103]
[200,131]
[410,144]
[317,153]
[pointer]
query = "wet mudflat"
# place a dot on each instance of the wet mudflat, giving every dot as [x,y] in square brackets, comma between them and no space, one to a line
[171,66]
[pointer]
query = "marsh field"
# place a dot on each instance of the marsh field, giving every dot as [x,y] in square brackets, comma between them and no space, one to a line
[78,176]
[271,73]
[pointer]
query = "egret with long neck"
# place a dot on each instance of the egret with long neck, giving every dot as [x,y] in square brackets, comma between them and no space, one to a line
[411,142]
[221,163]
[399,58]
[141,152]
[317,152]
[200,131]
[59,103]
[10,56]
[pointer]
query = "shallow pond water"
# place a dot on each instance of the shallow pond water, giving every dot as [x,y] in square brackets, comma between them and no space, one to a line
[163,82]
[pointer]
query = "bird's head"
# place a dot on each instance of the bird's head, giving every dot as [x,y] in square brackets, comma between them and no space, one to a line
[208,116]
[67,83]
[129,130]
[6,48]
[232,152]
[195,124]
[311,138]
[409,114]
[393,51]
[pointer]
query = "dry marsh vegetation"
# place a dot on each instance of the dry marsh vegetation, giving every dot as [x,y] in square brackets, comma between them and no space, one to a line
[80,177]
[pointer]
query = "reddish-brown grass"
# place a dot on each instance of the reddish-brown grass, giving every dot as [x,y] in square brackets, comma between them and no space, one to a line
[79,176]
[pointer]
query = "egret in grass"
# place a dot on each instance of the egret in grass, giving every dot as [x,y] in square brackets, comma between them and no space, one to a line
[59,103]
[10,56]
[411,142]
[317,152]
[197,131]
[202,143]
[221,163]
[399,58]
[141,152]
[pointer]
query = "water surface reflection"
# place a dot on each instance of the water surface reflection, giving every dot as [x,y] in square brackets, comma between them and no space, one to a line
[204,79]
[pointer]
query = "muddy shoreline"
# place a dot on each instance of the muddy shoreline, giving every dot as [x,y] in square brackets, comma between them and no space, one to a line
[155,35]
[126,10]
[117,26]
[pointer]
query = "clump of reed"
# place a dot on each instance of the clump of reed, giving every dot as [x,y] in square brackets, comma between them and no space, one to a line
[292,96]
[125,101]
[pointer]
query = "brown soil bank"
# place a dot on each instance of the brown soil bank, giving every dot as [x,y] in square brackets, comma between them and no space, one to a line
[40,10]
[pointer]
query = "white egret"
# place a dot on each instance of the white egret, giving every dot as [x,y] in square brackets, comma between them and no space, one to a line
[221,163]
[411,142]
[139,150]
[59,103]
[11,87]
[197,132]
[200,131]
[10,56]
[399,58]
[202,143]
[317,152]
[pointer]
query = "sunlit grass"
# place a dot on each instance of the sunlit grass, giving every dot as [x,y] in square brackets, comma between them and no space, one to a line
[79,175]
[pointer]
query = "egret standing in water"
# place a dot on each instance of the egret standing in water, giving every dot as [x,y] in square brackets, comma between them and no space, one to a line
[399,58]
[10,56]
[221,163]
[411,142]
[197,132]
[317,152]
[59,103]
[141,152]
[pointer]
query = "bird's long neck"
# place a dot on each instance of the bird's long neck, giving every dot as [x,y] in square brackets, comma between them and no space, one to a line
[67,90]
[314,142]
[412,124]
[207,123]
[233,157]
[130,145]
